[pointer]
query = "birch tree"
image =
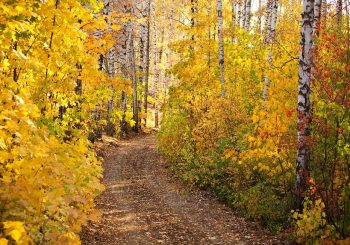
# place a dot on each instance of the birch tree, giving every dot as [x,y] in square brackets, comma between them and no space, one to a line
[239,13]
[221,47]
[132,72]
[123,61]
[234,13]
[194,10]
[246,14]
[303,109]
[147,12]
[155,74]
[169,54]
[271,21]
[259,17]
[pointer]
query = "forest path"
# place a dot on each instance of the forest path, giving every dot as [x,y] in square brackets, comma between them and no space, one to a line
[145,204]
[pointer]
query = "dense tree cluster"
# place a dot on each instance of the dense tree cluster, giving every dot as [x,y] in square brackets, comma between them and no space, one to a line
[259,111]
[251,98]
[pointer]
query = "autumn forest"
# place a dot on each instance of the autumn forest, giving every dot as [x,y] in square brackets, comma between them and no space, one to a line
[174,122]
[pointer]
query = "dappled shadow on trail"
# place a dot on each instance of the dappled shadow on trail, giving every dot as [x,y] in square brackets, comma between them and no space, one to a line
[145,204]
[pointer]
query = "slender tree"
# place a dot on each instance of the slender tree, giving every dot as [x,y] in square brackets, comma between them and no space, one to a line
[123,60]
[155,75]
[145,53]
[194,10]
[233,13]
[246,14]
[303,108]
[339,14]
[221,46]
[271,22]
[132,73]
[239,13]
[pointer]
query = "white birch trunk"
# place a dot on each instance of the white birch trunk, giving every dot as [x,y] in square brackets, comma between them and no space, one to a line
[234,13]
[269,39]
[303,109]
[268,20]
[221,46]
[317,17]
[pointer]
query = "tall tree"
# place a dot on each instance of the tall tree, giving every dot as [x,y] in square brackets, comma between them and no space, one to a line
[155,72]
[246,14]
[169,54]
[145,43]
[194,10]
[271,21]
[259,17]
[303,109]
[160,74]
[339,13]
[123,59]
[132,72]
[221,46]
[239,13]
[233,13]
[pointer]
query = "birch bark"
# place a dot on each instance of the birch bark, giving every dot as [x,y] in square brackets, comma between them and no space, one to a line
[246,14]
[303,109]
[271,13]
[221,46]
[132,73]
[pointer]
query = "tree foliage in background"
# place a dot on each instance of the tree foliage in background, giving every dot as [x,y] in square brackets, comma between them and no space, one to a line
[51,88]
[243,146]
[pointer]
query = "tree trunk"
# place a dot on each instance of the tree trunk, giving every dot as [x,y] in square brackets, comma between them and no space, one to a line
[317,17]
[339,14]
[246,14]
[124,62]
[234,13]
[123,123]
[154,53]
[268,20]
[160,76]
[239,14]
[147,13]
[194,10]
[324,14]
[303,109]
[169,39]
[132,75]
[221,47]
[259,17]
[271,13]
[110,127]
[209,38]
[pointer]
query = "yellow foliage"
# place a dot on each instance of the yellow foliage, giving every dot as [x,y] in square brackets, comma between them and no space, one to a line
[310,222]
[16,232]
[49,171]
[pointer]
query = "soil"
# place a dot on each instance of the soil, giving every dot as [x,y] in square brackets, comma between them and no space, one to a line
[144,203]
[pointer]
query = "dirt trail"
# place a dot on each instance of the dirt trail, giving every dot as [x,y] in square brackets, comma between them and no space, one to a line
[145,204]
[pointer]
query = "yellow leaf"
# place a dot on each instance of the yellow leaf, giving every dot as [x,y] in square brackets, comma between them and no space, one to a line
[3,241]
[15,234]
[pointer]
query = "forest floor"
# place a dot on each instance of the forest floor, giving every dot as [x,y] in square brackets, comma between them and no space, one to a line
[144,203]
